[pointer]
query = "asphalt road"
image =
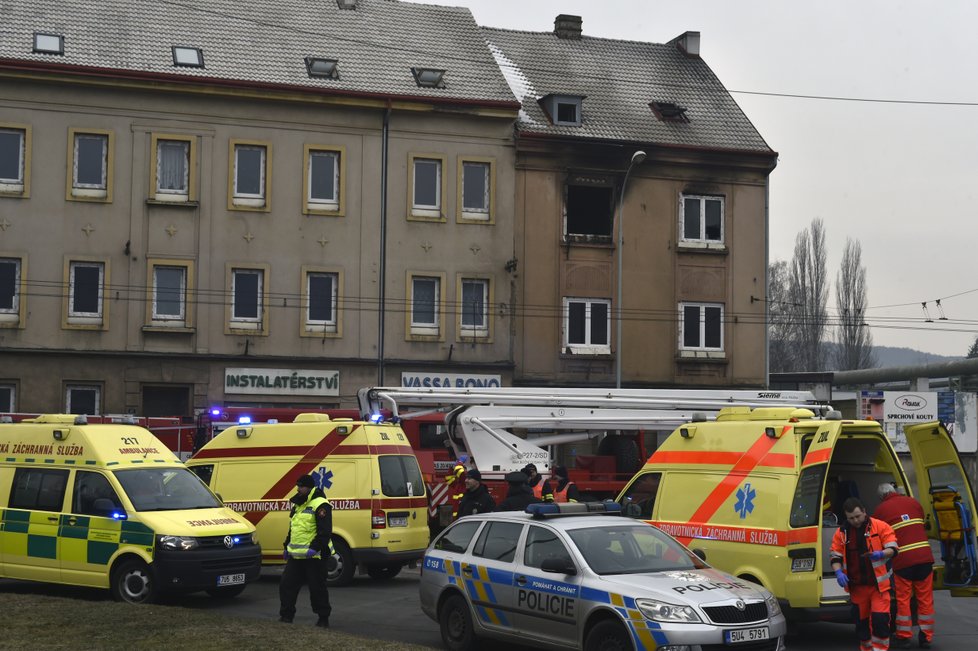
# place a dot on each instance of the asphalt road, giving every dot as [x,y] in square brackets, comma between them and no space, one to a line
[388,610]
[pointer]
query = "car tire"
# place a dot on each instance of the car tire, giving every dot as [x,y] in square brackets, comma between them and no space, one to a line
[383,572]
[133,582]
[608,636]
[227,592]
[342,572]
[455,621]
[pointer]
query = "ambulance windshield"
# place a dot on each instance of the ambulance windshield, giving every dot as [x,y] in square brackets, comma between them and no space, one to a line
[632,549]
[165,489]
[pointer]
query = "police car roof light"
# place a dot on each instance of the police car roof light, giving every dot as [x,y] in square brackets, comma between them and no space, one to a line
[550,509]
[244,420]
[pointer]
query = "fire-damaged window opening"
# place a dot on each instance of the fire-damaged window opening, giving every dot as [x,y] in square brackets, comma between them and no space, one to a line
[589,210]
[669,111]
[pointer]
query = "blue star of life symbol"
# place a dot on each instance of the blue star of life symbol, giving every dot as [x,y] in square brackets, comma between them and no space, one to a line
[323,478]
[745,500]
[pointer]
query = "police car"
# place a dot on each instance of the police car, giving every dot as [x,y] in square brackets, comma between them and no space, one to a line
[573,576]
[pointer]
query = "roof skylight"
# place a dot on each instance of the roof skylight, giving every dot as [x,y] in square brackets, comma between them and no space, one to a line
[429,77]
[188,57]
[49,43]
[669,111]
[324,68]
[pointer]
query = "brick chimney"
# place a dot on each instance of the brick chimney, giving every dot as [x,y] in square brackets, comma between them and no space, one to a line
[567,26]
[688,43]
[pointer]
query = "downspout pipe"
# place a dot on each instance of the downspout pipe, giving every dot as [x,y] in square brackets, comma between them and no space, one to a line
[382,297]
[767,268]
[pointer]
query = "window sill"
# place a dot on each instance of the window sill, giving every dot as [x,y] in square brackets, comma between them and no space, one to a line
[716,248]
[177,330]
[595,241]
[89,199]
[413,217]
[173,204]
[323,211]
[702,356]
[475,218]
[571,353]
[434,338]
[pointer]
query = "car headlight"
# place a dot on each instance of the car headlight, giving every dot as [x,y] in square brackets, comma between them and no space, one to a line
[178,543]
[254,538]
[660,611]
[773,607]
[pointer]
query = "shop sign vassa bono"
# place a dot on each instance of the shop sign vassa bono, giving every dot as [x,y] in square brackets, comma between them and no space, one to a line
[282,381]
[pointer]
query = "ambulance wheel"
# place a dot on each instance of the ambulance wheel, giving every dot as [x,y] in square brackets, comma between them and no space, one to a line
[133,582]
[455,620]
[229,592]
[608,636]
[383,572]
[341,572]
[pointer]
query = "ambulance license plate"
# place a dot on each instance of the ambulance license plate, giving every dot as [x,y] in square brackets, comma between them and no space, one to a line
[746,635]
[230,579]
[398,521]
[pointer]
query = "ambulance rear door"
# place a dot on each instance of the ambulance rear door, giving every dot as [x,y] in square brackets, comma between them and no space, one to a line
[943,485]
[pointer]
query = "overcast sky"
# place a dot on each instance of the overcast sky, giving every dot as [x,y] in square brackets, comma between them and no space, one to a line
[898,177]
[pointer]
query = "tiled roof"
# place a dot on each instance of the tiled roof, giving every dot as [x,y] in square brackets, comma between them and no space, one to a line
[265,42]
[619,80]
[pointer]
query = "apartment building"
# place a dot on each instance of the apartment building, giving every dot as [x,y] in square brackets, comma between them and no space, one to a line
[249,203]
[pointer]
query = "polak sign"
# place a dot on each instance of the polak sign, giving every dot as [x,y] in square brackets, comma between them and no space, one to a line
[908,408]
[449,380]
[282,381]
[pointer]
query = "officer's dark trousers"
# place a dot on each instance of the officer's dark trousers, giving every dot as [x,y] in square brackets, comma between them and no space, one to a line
[298,572]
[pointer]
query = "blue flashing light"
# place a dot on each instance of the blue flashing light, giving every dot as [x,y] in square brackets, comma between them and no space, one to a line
[542,509]
[376,418]
[215,411]
[119,516]
[236,539]
[244,420]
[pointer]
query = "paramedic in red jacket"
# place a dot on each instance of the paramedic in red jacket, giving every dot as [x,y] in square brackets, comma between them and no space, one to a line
[913,569]
[861,549]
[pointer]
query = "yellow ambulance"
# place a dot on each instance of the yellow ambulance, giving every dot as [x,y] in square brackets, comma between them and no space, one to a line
[367,470]
[109,506]
[759,494]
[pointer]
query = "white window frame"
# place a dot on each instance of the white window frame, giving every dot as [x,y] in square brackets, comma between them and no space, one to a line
[700,326]
[171,194]
[247,322]
[702,238]
[469,330]
[430,211]
[18,184]
[321,325]
[12,314]
[86,318]
[179,319]
[248,199]
[11,405]
[98,190]
[484,213]
[319,203]
[588,346]
[71,388]
[425,328]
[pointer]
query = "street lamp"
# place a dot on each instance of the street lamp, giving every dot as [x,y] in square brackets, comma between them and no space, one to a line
[637,159]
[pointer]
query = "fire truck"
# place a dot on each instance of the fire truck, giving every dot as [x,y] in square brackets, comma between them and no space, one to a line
[178,433]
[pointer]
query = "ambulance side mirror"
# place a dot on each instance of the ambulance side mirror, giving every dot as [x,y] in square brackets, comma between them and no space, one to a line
[633,510]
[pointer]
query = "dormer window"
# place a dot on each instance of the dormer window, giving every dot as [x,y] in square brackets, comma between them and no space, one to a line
[563,110]
[322,68]
[429,77]
[188,57]
[669,111]
[49,43]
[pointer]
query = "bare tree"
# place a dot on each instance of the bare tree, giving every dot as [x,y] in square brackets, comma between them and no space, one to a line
[781,319]
[855,349]
[809,291]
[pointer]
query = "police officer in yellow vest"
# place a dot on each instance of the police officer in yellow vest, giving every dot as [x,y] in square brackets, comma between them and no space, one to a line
[306,545]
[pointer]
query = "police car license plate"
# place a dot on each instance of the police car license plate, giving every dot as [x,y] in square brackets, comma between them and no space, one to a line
[398,521]
[230,579]
[746,635]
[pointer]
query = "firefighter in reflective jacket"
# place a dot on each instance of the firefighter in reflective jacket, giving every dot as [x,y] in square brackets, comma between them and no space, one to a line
[860,551]
[308,539]
[566,490]
[913,570]
[538,483]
